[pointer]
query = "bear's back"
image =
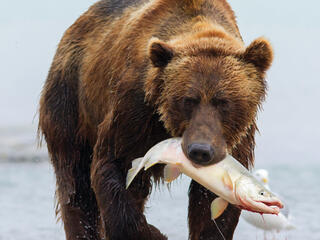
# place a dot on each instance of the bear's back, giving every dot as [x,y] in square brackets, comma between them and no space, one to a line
[107,8]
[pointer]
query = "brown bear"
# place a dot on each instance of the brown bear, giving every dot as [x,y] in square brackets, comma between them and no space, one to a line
[129,74]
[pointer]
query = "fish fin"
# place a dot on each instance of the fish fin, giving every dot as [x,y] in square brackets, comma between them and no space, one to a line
[136,167]
[227,181]
[217,207]
[171,172]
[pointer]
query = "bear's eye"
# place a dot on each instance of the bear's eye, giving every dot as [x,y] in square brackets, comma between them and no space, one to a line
[219,102]
[190,103]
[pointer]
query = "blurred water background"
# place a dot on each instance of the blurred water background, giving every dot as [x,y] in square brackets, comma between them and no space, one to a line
[289,132]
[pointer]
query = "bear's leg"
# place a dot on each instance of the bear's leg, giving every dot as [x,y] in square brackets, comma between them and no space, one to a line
[121,209]
[76,200]
[200,224]
[70,154]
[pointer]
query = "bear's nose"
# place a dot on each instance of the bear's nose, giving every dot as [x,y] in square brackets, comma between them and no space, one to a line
[200,153]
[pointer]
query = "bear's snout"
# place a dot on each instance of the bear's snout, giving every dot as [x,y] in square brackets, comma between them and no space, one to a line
[203,140]
[200,153]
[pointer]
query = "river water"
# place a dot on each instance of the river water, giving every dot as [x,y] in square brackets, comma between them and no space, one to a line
[27,203]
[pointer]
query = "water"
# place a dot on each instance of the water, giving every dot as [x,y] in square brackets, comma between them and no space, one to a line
[27,204]
[26,200]
[289,123]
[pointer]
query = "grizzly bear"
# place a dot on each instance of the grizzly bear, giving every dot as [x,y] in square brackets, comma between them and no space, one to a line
[129,74]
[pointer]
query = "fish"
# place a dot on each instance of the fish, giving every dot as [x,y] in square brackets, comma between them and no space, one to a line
[228,179]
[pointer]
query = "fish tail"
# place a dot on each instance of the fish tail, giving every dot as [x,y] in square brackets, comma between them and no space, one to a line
[136,167]
[150,164]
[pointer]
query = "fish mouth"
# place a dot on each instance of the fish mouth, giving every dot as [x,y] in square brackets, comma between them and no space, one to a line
[273,202]
[271,206]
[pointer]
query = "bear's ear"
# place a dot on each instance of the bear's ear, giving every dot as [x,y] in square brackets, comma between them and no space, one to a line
[260,54]
[160,53]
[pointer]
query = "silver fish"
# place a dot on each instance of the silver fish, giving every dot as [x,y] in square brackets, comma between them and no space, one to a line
[228,179]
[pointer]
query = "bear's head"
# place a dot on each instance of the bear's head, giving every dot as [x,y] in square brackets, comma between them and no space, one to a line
[207,91]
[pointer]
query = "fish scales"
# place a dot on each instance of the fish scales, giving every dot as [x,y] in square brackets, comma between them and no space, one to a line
[228,179]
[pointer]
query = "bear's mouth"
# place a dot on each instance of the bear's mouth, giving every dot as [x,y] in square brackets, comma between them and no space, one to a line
[207,154]
[195,163]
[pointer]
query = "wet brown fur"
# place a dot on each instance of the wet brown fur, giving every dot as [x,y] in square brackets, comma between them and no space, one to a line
[128,74]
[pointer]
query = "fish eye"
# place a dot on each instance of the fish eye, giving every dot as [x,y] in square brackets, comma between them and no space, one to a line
[262,193]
